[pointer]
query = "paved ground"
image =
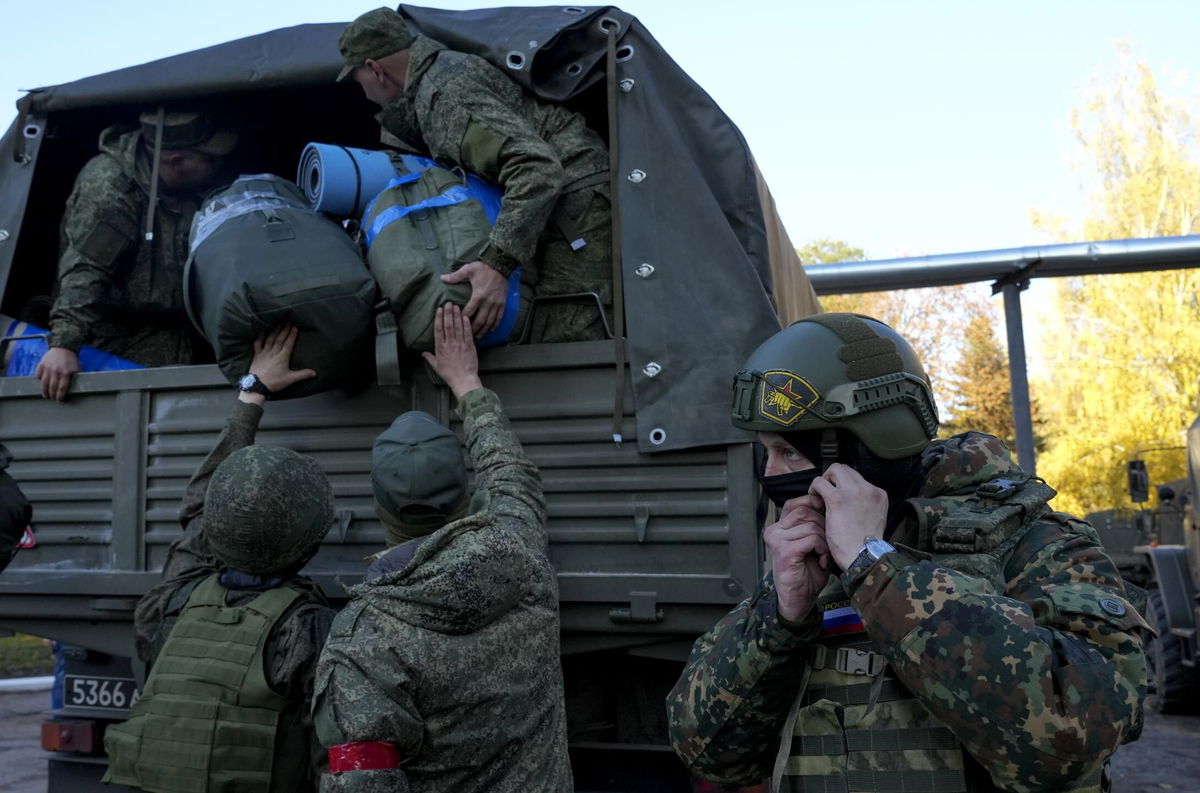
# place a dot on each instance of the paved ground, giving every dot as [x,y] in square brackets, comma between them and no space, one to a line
[1167,758]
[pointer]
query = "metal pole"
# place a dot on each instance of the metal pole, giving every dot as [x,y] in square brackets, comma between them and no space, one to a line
[1018,379]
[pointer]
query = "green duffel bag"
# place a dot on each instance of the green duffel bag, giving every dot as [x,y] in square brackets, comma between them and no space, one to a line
[427,222]
[261,257]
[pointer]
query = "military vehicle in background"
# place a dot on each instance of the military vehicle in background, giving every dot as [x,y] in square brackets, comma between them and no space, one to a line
[1159,549]
[653,515]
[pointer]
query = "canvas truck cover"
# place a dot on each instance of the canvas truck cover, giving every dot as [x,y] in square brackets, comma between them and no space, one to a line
[697,244]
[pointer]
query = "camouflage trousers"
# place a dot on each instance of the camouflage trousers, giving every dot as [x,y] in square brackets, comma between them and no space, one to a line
[585,213]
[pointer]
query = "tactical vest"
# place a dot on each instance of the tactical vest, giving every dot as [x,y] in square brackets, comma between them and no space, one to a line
[855,726]
[208,721]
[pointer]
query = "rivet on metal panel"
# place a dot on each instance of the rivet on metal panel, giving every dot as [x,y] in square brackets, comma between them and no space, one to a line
[641,517]
[637,176]
[626,85]
[651,369]
[3,235]
[645,270]
[658,436]
[733,588]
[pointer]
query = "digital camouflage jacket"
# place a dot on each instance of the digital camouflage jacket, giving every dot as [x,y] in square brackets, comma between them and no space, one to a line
[115,290]
[466,112]
[453,658]
[1028,656]
[292,648]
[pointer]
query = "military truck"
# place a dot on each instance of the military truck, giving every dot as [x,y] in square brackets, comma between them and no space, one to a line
[1166,561]
[653,512]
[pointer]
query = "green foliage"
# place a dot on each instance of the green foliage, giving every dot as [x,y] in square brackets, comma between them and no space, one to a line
[979,381]
[1124,377]
[25,656]
[825,250]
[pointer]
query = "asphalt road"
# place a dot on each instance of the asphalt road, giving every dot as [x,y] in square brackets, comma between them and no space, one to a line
[1167,758]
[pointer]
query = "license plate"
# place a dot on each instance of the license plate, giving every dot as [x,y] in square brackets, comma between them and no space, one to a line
[112,693]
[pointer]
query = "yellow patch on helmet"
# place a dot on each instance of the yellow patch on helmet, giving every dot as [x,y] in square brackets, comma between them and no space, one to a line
[785,397]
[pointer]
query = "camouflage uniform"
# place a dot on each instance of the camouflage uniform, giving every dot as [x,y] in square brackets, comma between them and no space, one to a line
[292,649]
[116,291]
[553,168]
[453,657]
[1028,658]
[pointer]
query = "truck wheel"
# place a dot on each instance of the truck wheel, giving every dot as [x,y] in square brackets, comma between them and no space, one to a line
[1175,684]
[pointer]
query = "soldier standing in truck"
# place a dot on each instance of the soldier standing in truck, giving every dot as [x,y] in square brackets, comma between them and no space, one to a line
[928,623]
[124,242]
[555,218]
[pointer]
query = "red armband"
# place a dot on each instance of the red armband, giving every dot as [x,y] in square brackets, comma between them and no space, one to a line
[363,756]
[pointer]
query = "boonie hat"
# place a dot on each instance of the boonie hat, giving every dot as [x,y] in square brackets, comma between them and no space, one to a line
[376,34]
[188,129]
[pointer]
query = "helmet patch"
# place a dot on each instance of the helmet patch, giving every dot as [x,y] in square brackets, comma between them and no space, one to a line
[785,397]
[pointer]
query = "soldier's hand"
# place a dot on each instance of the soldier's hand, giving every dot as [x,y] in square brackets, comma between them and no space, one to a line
[55,370]
[799,554]
[854,510]
[454,357]
[489,292]
[272,360]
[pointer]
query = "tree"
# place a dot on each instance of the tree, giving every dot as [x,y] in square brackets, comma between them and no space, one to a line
[979,382]
[1125,375]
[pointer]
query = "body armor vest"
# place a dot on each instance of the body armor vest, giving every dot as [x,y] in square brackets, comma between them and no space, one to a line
[207,720]
[855,727]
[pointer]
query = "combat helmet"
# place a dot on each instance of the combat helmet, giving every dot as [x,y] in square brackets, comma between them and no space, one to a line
[839,371]
[266,509]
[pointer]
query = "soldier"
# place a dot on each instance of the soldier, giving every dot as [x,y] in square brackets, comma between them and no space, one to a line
[233,631]
[555,218]
[927,622]
[15,511]
[442,673]
[124,243]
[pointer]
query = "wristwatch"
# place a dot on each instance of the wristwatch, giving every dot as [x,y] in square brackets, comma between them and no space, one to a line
[873,549]
[251,383]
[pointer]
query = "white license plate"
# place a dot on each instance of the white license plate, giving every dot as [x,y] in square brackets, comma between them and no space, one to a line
[113,693]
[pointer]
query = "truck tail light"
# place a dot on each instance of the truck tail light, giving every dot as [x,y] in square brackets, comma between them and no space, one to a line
[70,736]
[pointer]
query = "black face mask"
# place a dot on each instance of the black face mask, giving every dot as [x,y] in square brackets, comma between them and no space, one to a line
[783,487]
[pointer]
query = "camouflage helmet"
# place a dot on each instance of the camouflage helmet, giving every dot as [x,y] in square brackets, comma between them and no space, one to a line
[266,509]
[832,371]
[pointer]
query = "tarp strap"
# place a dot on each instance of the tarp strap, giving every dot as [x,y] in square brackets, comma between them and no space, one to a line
[617,285]
[159,123]
[387,350]
[566,226]
[455,195]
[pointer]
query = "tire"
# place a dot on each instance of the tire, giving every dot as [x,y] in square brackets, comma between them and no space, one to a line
[1175,684]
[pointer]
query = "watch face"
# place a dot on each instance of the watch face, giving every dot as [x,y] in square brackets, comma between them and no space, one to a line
[247,382]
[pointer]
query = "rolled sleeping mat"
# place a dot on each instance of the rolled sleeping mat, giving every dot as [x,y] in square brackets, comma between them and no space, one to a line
[341,180]
[261,257]
[26,344]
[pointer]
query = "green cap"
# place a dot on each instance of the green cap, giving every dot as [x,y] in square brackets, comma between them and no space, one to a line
[418,470]
[188,129]
[376,34]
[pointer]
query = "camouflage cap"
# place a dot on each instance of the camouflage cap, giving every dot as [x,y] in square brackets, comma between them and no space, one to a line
[188,129]
[266,508]
[375,34]
[417,468]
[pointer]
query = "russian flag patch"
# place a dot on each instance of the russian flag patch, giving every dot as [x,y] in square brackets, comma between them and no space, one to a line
[837,621]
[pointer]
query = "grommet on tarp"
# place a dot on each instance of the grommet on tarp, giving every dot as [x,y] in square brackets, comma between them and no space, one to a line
[651,369]
[644,270]
[626,85]
[3,235]
[608,23]
[625,52]
[515,60]
[574,69]
[637,176]
[658,436]
[572,10]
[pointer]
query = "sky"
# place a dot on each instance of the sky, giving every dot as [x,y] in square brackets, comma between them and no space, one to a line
[901,128]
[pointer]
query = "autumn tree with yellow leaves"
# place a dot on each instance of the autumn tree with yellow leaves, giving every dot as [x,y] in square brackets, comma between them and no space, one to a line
[1123,379]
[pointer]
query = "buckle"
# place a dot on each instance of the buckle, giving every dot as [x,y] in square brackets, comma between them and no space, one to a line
[820,654]
[998,489]
[852,661]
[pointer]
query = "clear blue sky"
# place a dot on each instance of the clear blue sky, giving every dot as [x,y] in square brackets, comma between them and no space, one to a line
[902,128]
